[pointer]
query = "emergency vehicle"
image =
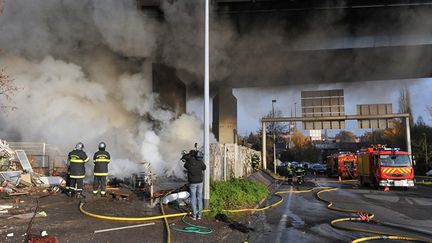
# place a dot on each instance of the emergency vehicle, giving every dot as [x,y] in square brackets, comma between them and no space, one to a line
[385,167]
[343,164]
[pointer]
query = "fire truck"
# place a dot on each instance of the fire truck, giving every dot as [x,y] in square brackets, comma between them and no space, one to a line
[343,164]
[385,167]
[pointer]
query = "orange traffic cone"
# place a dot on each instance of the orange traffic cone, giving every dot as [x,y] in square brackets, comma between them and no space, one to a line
[387,188]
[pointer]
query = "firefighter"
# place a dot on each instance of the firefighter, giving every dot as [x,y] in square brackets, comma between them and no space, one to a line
[77,158]
[68,179]
[300,173]
[290,173]
[101,160]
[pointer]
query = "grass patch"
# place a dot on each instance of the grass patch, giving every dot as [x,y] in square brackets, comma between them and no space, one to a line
[429,183]
[235,194]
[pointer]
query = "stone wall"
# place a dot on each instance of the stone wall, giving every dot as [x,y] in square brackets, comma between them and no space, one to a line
[238,161]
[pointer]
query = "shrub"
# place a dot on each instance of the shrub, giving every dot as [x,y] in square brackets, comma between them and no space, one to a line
[235,194]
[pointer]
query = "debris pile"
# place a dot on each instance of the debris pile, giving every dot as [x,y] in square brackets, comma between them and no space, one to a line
[17,176]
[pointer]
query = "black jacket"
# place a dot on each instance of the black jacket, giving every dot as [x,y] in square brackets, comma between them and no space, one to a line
[101,159]
[77,159]
[194,169]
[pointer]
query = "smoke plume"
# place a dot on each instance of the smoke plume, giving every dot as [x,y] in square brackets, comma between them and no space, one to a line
[84,67]
[84,74]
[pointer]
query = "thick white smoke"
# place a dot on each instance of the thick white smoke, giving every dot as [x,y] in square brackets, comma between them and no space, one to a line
[59,104]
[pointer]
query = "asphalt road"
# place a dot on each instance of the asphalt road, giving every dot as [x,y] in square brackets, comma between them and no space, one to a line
[303,218]
[300,218]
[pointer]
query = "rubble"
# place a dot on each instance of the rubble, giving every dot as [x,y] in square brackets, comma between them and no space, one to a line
[17,176]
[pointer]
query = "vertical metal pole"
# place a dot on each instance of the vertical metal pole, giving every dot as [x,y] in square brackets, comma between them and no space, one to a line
[225,162]
[206,111]
[408,135]
[264,147]
[274,139]
[295,115]
[43,155]
[426,152]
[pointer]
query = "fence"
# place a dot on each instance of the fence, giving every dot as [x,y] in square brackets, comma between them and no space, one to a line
[231,161]
[42,156]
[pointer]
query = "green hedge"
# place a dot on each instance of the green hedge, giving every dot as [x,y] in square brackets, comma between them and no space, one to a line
[235,194]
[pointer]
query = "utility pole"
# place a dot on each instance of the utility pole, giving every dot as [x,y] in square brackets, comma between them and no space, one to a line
[426,152]
[274,139]
[295,114]
[206,111]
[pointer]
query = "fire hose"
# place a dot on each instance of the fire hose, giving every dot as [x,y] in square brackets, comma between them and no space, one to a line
[363,216]
[366,217]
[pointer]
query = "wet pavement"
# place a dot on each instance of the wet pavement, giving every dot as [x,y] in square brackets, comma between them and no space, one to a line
[303,218]
[300,218]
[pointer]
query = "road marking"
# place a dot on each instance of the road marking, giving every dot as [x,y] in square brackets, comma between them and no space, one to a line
[283,219]
[297,222]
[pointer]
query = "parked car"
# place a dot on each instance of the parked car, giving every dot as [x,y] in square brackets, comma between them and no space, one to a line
[306,165]
[429,173]
[318,169]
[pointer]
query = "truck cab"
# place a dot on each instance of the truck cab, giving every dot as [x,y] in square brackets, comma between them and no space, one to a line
[385,167]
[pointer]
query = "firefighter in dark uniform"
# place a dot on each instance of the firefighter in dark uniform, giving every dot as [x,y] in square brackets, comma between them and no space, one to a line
[77,158]
[68,179]
[101,160]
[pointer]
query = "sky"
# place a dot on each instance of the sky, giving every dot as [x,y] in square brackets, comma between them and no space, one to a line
[254,103]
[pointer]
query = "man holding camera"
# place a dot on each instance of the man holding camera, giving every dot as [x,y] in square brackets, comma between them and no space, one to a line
[195,168]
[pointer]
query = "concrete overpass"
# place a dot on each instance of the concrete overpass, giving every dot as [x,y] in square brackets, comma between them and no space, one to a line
[323,42]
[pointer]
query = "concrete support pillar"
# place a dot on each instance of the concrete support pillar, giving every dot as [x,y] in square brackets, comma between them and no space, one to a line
[224,125]
[408,134]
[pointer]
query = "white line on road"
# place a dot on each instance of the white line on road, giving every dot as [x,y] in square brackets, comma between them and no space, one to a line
[283,220]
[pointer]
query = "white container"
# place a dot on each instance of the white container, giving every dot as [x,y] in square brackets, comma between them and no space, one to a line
[175,196]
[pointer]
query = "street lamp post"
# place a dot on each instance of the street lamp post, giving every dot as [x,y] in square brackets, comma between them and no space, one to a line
[274,139]
[426,152]
[295,114]
[206,110]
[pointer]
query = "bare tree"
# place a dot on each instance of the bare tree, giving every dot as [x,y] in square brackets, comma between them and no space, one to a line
[7,90]
[405,103]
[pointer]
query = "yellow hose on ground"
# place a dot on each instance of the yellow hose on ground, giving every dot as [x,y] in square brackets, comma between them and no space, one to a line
[166,225]
[115,218]
[334,181]
[329,206]
[382,235]
[391,237]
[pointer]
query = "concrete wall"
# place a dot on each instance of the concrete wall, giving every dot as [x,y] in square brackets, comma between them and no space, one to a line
[239,161]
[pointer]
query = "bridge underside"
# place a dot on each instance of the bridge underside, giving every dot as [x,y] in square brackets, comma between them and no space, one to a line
[338,65]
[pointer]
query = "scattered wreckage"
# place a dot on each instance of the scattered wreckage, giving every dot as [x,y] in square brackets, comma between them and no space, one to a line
[17,176]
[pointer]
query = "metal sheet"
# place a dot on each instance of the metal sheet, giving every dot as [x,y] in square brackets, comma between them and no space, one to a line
[25,163]
[12,176]
[374,109]
[323,103]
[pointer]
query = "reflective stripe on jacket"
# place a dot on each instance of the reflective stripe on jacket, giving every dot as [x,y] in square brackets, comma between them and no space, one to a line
[101,160]
[77,159]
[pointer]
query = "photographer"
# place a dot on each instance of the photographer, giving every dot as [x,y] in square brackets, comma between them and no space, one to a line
[195,168]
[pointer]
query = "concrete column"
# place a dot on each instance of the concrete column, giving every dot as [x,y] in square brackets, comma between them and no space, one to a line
[225,116]
[408,134]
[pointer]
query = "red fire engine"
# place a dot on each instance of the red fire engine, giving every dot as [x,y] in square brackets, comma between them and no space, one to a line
[343,164]
[385,167]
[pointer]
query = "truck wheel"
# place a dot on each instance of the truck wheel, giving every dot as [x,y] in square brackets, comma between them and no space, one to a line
[375,185]
[361,181]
